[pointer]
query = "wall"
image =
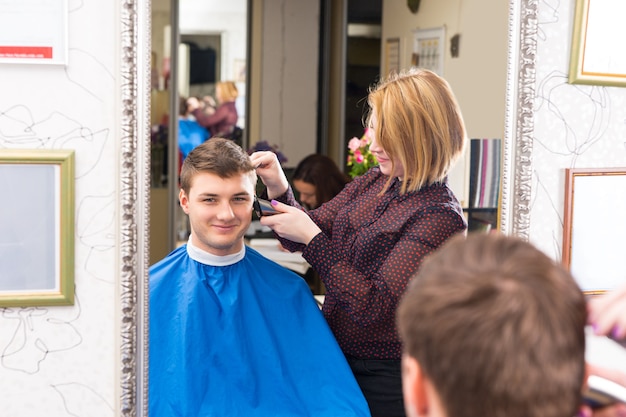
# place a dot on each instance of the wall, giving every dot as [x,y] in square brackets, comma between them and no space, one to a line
[575,126]
[60,361]
[477,76]
[227,18]
[288,70]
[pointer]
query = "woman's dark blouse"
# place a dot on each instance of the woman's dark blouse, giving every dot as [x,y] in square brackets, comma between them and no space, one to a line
[369,248]
[222,122]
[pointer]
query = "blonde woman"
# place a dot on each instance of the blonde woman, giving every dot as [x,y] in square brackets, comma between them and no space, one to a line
[222,121]
[372,237]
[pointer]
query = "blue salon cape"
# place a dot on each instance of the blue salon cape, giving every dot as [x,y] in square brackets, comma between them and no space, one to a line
[190,135]
[242,339]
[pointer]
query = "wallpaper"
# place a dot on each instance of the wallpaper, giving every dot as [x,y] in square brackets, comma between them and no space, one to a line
[62,361]
[576,126]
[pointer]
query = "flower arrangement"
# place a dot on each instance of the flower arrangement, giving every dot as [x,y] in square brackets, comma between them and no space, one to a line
[360,159]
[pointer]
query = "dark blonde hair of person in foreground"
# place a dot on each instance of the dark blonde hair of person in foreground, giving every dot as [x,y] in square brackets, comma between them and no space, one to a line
[492,327]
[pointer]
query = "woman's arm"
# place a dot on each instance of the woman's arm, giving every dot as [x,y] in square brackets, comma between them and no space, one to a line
[210,120]
[376,291]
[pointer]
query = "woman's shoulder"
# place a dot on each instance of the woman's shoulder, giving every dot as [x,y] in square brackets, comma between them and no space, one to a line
[371,178]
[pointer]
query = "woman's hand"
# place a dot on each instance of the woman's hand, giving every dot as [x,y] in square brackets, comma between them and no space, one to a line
[192,104]
[271,173]
[292,223]
[616,410]
[607,313]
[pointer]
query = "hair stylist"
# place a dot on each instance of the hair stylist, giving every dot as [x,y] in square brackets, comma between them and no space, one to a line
[371,238]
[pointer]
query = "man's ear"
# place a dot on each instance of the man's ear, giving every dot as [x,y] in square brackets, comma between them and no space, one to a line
[184,201]
[414,387]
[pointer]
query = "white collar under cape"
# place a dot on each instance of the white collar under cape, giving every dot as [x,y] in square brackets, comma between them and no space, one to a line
[207,258]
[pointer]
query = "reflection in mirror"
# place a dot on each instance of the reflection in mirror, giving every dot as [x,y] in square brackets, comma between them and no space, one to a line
[211,46]
[516,186]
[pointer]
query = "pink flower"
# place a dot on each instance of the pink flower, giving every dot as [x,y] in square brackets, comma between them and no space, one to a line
[354,144]
[358,156]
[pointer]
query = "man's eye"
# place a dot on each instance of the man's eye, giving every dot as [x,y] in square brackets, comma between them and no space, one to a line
[209,200]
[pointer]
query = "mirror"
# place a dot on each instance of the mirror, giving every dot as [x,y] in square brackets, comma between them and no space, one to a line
[135,175]
[210,45]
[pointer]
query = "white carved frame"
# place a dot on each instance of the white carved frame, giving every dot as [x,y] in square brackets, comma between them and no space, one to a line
[135,174]
[135,47]
[519,123]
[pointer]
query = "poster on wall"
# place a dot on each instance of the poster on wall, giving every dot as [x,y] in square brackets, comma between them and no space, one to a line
[428,49]
[33,31]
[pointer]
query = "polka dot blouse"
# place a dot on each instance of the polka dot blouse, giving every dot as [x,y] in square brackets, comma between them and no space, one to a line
[369,248]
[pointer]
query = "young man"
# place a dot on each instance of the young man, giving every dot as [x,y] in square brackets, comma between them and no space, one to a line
[231,332]
[492,327]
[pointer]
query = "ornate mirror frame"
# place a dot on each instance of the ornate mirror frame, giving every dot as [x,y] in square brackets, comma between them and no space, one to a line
[134,200]
[134,184]
[514,211]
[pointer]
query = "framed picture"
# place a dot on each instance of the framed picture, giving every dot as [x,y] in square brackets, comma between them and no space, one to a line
[428,47]
[239,72]
[392,55]
[594,227]
[36,227]
[597,56]
[34,32]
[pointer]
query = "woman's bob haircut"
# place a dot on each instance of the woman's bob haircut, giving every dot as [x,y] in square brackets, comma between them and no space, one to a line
[417,121]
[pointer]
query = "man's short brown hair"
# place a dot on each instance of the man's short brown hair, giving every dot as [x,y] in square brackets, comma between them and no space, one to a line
[498,327]
[219,156]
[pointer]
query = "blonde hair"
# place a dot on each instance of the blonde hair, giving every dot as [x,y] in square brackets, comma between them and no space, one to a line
[228,90]
[418,122]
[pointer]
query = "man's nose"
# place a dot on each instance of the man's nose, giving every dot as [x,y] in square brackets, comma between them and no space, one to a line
[225,211]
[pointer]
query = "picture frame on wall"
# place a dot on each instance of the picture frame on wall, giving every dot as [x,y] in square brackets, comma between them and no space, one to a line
[34,32]
[428,49]
[36,227]
[392,56]
[597,57]
[594,226]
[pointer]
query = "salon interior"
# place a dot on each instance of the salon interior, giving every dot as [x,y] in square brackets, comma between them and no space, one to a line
[303,70]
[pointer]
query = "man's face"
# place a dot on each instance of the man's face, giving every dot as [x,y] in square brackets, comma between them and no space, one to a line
[220,211]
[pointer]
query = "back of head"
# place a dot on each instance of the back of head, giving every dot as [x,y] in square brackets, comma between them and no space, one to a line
[498,327]
[218,156]
[228,90]
[324,174]
[418,121]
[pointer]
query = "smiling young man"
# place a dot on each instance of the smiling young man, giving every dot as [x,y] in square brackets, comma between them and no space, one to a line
[233,333]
